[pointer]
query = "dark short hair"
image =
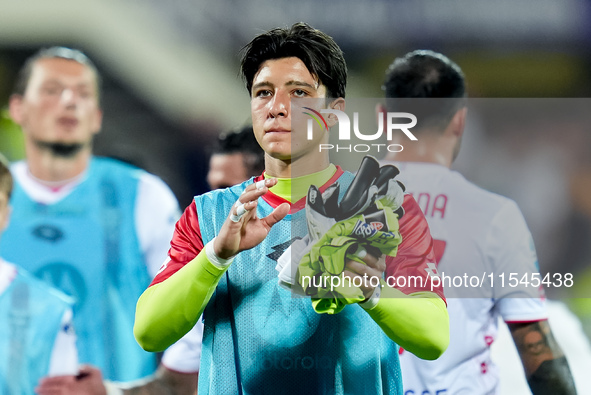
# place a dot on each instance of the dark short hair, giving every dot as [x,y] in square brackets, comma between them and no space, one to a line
[317,50]
[242,141]
[6,182]
[425,74]
[24,74]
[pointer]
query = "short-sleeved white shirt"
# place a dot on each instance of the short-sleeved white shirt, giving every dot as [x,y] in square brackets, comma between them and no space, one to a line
[184,356]
[479,237]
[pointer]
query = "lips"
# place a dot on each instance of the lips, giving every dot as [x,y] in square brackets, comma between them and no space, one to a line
[275,127]
[67,122]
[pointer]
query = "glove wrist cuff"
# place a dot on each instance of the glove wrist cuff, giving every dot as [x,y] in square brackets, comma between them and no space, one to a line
[214,259]
[373,300]
[112,389]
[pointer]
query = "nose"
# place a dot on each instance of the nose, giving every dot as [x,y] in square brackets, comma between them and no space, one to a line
[67,97]
[280,105]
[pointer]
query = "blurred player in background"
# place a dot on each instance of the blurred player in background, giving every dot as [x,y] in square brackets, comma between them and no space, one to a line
[93,227]
[236,157]
[36,333]
[474,230]
[257,337]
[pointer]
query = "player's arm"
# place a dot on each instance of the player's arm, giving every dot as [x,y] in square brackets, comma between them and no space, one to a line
[414,317]
[418,322]
[511,250]
[178,371]
[546,368]
[170,308]
[162,312]
[90,382]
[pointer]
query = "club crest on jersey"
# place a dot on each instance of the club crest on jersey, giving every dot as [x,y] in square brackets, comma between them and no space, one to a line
[48,232]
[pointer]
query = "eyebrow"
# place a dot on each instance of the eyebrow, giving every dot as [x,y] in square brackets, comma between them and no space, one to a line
[58,82]
[52,81]
[288,83]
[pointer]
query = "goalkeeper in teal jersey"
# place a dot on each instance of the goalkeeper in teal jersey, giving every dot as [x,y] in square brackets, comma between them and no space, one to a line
[258,338]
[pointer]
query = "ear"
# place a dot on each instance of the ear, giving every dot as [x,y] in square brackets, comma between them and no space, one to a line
[15,107]
[337,104]
[458,122]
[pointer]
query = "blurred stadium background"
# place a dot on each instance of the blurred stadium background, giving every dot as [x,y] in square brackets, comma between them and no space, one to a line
[171,85]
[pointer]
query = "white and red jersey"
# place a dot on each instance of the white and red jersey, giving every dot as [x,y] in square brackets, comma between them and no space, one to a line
[478,235]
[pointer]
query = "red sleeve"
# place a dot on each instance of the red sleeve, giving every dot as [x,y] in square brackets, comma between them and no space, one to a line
[185,245]
[415,253]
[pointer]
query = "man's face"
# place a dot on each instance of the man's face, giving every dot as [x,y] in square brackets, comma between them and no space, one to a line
[275,84]
[60,104]
[226,170]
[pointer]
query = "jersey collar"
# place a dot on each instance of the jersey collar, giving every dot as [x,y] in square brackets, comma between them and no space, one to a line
[275,201]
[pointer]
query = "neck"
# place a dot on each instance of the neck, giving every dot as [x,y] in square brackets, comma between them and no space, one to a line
[293,168]
[44,165]
[294,189]
[427,149]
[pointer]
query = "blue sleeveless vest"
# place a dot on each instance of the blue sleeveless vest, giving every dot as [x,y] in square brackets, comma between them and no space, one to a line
[30,319]
[260,339]
[86,245]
